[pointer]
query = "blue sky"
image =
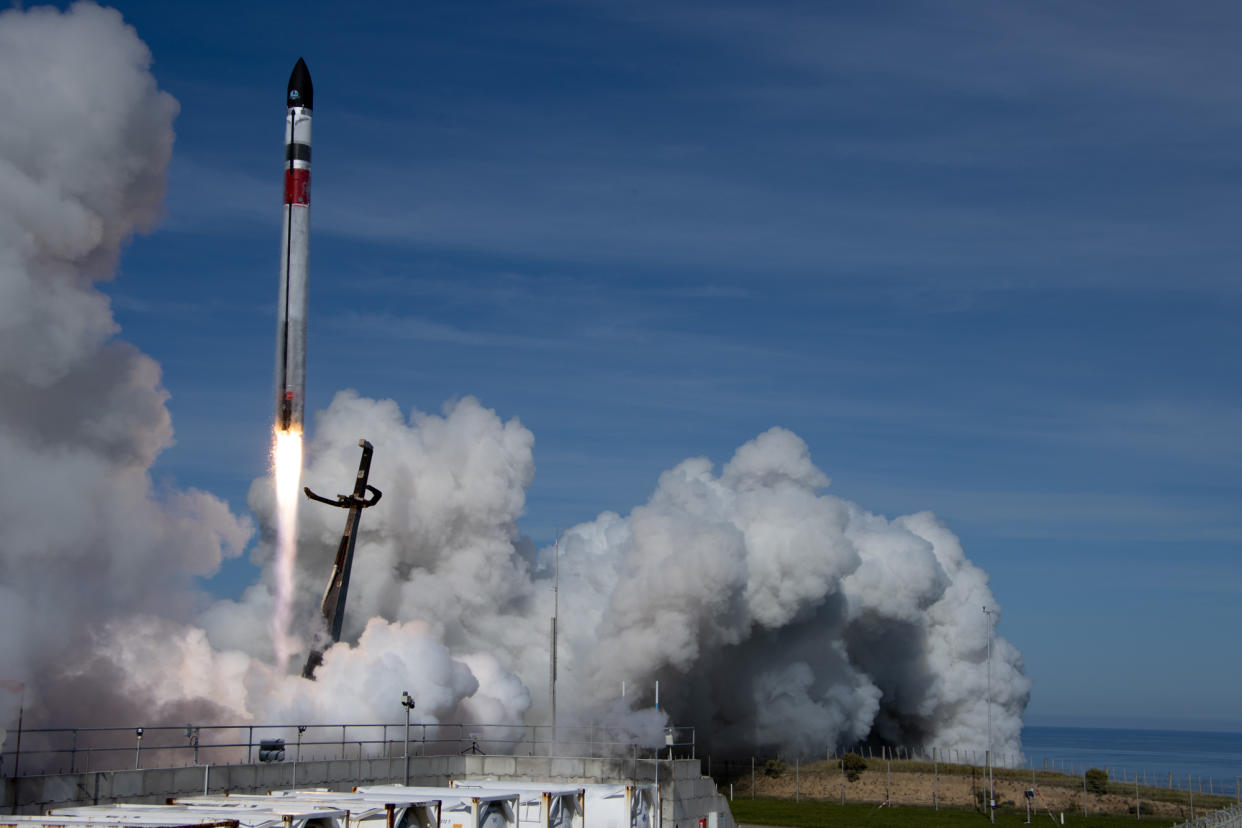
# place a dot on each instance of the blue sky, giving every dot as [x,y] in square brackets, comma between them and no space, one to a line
[984,258]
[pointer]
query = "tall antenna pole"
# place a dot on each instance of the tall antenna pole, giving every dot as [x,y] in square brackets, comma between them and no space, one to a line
[988,755]
[556,607]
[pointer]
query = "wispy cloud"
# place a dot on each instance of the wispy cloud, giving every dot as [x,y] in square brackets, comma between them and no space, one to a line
[968,149]
[419,329]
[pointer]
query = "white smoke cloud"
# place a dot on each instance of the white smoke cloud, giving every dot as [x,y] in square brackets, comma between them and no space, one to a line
[770,611]
[84,143]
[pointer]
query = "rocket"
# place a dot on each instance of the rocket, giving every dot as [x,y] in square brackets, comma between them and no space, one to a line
[294,241]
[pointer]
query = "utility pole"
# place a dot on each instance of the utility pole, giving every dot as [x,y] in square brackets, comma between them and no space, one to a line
[556,608]
[988,755]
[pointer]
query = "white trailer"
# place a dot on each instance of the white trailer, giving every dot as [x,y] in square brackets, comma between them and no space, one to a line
[460,809]
[288,815]
[540,805]
[65,821]
[362,811]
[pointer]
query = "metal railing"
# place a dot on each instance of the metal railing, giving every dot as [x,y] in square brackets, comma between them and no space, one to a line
[86,749]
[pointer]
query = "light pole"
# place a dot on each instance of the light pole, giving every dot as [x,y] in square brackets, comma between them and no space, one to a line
[138,750]
[407,701]
[556,607]
[297,757]
[988,755]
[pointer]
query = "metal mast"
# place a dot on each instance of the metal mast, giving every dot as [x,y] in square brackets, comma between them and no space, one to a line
[556,604]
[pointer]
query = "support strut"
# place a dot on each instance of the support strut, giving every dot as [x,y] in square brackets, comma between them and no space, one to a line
[333,606]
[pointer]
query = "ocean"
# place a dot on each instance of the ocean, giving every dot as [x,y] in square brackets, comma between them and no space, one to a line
[1212,760]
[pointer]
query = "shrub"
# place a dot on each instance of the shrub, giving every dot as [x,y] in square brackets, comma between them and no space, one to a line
[1143,809]
[1097,781]
[774,768]
[853,765]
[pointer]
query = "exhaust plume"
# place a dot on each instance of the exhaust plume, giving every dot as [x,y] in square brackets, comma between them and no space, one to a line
[286,477]
[770,611]
[84,146]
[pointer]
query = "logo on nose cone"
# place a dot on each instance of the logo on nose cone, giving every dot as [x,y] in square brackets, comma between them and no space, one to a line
[294,95]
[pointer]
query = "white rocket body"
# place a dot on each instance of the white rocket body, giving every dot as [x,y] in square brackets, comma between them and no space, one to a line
[295,242]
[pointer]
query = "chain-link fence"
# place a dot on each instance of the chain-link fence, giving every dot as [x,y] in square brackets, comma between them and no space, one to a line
[1227,818]
[880,777]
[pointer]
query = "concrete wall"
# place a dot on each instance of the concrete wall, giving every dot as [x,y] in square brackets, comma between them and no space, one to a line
[693,797]
[686,795]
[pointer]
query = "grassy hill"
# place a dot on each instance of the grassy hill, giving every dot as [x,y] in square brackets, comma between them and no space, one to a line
[958,791]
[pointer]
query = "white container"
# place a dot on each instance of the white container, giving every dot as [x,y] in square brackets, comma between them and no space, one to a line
[540,805]
[460,809]
[606,805]
[169,820]
[288,815]
[362,811]
[622,806]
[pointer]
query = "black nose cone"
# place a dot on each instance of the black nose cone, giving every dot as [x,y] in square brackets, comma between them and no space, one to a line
[301,90]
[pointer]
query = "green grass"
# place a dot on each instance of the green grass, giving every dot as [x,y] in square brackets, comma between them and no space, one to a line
[821,814]
[1043,779]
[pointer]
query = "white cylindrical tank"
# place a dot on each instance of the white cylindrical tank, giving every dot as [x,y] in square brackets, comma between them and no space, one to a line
[461,809]
[540,805]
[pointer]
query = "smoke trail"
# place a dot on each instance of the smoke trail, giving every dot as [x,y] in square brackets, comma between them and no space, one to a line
[287,478]
[84,145]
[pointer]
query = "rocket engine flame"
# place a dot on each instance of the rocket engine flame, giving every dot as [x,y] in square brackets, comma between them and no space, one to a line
[287,475]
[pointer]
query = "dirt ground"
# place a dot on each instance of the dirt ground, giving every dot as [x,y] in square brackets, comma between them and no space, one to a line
[951,790]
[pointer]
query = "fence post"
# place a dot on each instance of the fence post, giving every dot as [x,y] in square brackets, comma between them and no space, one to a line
[936,783]
[888,785]
[752,777]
